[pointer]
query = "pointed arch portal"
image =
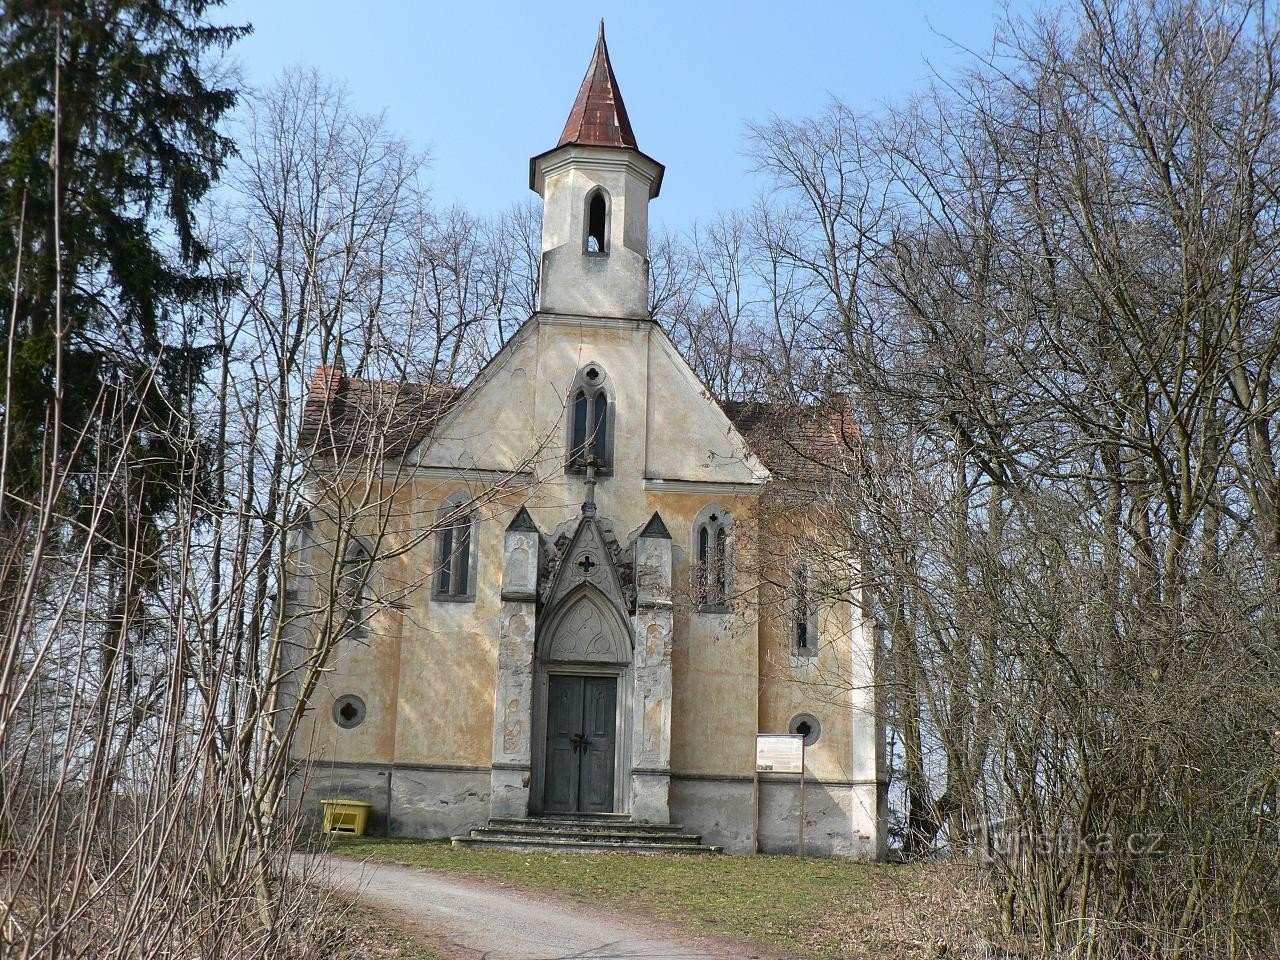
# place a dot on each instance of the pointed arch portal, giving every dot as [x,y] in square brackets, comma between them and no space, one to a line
[588,628]
[582,705]
[584,654]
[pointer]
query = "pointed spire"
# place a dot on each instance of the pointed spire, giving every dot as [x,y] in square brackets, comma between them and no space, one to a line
[655,529]
[522,522]
[599,116]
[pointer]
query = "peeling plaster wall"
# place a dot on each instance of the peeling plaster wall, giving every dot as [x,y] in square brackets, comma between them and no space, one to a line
[367,668]
[710,449]
[714,671]
[719,808]
[437,802]
[516,414]
[405,800]
[819,686]
[834,818]
[496,428]
[840,818]
[838,686]
[449,659]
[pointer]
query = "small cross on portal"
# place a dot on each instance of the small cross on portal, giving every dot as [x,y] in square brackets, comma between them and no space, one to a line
[586,565]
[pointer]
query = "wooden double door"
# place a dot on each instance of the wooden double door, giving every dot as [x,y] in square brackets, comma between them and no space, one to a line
[581,735]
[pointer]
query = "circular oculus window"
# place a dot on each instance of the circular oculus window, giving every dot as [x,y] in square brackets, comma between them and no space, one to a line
[806,725]
[348,711]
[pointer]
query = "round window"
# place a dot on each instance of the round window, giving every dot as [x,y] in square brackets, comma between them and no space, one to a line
[348,711]
[806,725]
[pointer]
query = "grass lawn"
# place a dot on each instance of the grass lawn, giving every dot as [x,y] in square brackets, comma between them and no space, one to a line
[816,908]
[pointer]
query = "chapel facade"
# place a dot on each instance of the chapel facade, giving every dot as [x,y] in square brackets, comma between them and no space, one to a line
[583,612]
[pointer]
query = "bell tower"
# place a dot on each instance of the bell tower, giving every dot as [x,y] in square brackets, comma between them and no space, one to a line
[596,186]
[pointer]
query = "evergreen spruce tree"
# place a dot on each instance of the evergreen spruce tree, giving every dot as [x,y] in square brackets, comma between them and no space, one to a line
[138,147]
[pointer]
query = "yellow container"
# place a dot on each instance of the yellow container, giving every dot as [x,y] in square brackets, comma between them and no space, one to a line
[345,816]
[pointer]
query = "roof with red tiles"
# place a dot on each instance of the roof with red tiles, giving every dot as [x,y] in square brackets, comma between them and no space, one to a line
[799,442]
[599,117]
[348,417]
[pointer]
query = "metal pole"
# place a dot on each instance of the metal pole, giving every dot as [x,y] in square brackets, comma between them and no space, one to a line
[802,798]
[755,818]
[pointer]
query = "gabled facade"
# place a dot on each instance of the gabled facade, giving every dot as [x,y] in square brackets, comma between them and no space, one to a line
[582,619]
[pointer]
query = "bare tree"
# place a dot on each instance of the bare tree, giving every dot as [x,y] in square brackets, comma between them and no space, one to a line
[1047,289]
[146,749]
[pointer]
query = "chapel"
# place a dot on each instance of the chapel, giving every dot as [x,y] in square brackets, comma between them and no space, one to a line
[572,592]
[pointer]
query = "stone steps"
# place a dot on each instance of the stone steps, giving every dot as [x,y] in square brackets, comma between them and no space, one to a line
[622,826]
[592,836]
[588,833]
[557,845]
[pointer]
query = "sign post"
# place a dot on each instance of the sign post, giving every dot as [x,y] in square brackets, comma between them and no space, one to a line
[778,753]
[802,797]
[755,816]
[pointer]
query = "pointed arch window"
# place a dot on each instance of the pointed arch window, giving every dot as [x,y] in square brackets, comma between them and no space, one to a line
[595,238]
[353,587]
[712,560]
[590,422]
[455,550]
[804,612]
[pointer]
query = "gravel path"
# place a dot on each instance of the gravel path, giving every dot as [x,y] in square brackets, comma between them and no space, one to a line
[466,919]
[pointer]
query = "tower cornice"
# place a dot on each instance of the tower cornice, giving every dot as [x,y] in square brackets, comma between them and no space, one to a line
[560,158]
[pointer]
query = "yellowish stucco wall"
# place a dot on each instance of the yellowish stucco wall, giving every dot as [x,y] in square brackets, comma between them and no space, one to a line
[428,670]
[714,681]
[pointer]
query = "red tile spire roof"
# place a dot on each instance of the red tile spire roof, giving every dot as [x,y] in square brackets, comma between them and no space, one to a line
[599,116]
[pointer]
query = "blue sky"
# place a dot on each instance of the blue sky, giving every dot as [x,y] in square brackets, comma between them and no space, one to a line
[486,85]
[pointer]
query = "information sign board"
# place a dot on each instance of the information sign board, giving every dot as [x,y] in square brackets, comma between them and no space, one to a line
[779,753]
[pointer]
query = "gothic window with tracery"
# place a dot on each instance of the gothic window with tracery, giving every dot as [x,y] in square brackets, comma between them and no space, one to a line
[804,613]
[589,421]
[454,578]
[712,566]
[353,586]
